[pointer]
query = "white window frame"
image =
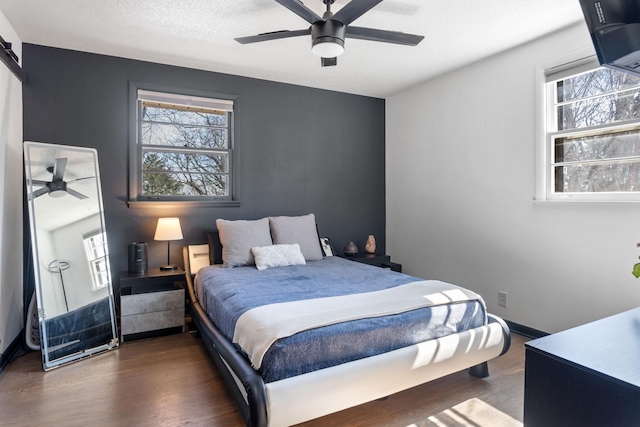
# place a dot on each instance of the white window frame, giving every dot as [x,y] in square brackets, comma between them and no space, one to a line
[139,92]
[547,75]
[94,260]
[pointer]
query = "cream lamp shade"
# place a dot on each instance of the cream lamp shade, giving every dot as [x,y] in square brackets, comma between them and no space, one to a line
[168,229]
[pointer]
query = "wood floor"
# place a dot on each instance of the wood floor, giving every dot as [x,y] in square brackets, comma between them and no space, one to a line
[171,381]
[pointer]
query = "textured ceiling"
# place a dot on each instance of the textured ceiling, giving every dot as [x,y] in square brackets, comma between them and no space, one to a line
[200,34]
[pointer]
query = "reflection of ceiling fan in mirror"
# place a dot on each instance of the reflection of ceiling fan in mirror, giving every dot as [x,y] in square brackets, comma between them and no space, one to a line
[57,187]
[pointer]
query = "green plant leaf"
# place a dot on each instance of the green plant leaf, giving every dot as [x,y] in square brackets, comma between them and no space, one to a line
[636,270]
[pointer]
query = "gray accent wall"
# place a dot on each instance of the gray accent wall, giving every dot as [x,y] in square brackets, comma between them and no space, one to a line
[299,149]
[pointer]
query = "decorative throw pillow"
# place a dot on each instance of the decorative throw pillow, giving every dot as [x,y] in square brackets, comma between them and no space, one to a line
[238,237]
[277,256]
[297,229]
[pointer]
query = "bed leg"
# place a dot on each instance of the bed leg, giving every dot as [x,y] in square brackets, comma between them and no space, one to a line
[480,371]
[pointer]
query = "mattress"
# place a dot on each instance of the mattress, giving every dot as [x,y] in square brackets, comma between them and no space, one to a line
[227,293]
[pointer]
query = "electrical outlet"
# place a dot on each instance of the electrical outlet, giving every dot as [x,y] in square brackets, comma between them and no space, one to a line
[502,299]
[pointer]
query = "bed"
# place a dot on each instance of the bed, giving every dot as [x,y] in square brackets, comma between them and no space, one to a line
[362,333]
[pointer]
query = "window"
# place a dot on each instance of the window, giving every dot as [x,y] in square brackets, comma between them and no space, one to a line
[95,246]
[182,150]
[593,135]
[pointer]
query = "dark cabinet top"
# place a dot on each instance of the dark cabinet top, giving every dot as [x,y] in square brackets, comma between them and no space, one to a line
[610,346]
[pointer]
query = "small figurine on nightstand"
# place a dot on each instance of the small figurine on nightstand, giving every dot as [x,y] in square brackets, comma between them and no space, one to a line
[370,246]
[350,249]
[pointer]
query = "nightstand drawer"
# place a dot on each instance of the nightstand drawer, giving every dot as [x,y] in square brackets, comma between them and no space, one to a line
[145,322]
[151,302]
[152,311]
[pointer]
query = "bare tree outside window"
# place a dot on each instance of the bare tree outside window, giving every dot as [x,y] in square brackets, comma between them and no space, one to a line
[185,150]
[596,141]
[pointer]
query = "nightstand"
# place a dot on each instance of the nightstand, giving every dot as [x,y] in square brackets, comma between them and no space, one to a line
[379,260]
[151,303]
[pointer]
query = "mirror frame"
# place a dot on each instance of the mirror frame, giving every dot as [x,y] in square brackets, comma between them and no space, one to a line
[112,343]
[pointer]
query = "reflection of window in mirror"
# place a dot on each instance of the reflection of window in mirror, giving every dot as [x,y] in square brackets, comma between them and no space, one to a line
[95,245]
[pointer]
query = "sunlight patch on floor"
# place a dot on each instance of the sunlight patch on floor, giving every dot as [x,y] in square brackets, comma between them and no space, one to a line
[470,413]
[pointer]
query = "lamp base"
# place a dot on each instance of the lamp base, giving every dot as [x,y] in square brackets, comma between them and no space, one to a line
[168,267]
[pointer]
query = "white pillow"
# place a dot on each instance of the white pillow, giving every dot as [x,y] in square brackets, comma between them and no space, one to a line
[277,256]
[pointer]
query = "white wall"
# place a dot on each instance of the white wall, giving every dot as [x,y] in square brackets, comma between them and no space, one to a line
[75,289]
[461,175]
[10,195]
[69,242]
[52,296]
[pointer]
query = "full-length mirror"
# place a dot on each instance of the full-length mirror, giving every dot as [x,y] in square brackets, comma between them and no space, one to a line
[71,258]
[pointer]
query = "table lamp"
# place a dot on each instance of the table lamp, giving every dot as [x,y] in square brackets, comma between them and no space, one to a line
[168,229]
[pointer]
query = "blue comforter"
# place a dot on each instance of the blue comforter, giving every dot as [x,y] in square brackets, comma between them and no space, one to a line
[226,293]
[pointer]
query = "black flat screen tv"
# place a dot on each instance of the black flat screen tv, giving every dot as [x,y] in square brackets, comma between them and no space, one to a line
[614,26]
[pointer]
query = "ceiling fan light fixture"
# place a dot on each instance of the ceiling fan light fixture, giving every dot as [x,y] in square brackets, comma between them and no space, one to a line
[57,189]
[328,47]
[56,194]
[327,38]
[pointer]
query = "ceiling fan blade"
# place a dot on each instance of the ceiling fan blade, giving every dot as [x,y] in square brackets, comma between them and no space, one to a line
[273,36]
[354,10]
[80,179]
[58,168]
[76,194]
[383,36]
[301,10]
[38,193]
[328,62]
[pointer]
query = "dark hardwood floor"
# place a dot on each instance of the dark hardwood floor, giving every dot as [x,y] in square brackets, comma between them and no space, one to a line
[171,381]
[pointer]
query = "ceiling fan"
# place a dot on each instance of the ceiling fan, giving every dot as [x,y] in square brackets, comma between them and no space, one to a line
[329,31]
[57,187]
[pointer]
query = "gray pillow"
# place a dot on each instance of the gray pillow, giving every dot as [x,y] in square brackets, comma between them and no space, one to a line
[238,237]
[297,229]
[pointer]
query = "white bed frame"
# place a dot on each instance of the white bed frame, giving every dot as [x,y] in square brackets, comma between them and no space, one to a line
[315,394]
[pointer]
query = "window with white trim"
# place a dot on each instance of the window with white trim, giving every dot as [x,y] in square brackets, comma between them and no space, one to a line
[96,249]
[183,148]
[592,134]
